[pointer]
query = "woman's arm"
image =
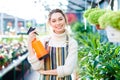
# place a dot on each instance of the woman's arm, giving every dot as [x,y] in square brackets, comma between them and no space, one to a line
[32,59]
[71,60]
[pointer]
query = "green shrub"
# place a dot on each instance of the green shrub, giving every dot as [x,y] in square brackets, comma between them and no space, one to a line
[110,18]
[103,20]
[114,19]
[94,16]
[3,59]
[88,11]
[96,60]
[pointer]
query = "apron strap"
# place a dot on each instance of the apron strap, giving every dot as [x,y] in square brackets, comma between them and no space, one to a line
[67,43]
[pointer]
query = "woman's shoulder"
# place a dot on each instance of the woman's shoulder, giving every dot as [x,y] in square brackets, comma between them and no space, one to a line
[72,41]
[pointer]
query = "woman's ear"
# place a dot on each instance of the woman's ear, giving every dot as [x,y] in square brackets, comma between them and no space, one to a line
[66,19]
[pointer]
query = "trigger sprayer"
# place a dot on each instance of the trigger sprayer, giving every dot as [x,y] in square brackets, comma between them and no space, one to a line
[41,52]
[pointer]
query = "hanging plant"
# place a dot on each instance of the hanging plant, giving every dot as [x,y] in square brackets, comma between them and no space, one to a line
[103,20]
[95,15]
[92,15]
[110,18]
[88,11]
[114,19]
[113,26]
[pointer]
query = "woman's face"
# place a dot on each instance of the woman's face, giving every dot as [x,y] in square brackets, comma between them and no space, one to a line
[57,23]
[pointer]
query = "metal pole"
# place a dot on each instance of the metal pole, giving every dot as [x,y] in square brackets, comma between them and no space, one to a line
[14,74]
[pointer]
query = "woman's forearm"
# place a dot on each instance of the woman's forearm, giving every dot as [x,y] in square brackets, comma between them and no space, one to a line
[48,72]
[30,50]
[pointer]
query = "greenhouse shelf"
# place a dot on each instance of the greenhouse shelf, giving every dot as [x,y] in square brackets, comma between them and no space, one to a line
[13,64]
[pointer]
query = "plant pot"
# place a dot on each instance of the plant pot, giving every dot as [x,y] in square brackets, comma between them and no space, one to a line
[6,64]
[0,67]
[113,34]
[98,27]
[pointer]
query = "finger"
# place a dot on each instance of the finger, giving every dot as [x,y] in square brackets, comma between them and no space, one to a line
[32,36]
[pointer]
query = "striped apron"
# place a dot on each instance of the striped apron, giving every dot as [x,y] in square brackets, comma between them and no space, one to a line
[56,58]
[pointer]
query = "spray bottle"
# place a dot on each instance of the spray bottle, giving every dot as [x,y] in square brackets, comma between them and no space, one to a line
[41,52]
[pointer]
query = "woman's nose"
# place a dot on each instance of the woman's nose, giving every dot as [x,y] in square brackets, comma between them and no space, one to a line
[58,22]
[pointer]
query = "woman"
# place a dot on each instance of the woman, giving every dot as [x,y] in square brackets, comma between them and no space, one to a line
[60,63]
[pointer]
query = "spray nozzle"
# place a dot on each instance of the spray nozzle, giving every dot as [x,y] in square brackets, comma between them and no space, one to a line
[31,29]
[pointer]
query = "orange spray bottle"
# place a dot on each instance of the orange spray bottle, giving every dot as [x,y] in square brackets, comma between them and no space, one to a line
[41,52]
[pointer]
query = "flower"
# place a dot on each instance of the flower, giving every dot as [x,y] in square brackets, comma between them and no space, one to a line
[3,59]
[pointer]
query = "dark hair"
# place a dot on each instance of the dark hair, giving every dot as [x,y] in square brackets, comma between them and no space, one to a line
[57,11]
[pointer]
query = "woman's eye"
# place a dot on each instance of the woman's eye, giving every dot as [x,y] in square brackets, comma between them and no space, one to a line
[60,19]
[53,21]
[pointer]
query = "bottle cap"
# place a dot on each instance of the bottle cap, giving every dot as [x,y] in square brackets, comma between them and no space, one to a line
[31,29]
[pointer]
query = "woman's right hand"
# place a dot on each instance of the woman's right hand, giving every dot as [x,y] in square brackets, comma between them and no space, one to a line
[31,36]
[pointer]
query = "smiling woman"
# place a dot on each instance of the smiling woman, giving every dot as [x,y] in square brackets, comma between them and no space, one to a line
[62,59]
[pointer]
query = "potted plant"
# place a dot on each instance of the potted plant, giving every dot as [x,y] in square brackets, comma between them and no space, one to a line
[3,60]
[112,24]
[114,19]
[103,20]
[94,16]
[88,11]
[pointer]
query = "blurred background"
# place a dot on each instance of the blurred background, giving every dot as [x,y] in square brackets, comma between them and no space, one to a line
[17,16]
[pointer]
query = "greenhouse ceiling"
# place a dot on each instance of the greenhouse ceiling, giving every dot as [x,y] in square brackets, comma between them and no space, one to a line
[70,5]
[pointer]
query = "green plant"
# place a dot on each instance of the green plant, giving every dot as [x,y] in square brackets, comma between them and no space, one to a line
[114,19]
[110,18]
[97,60]
[94,16]
[79,30]
[80,27]
[103,20]
[88,11]
[3,59]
